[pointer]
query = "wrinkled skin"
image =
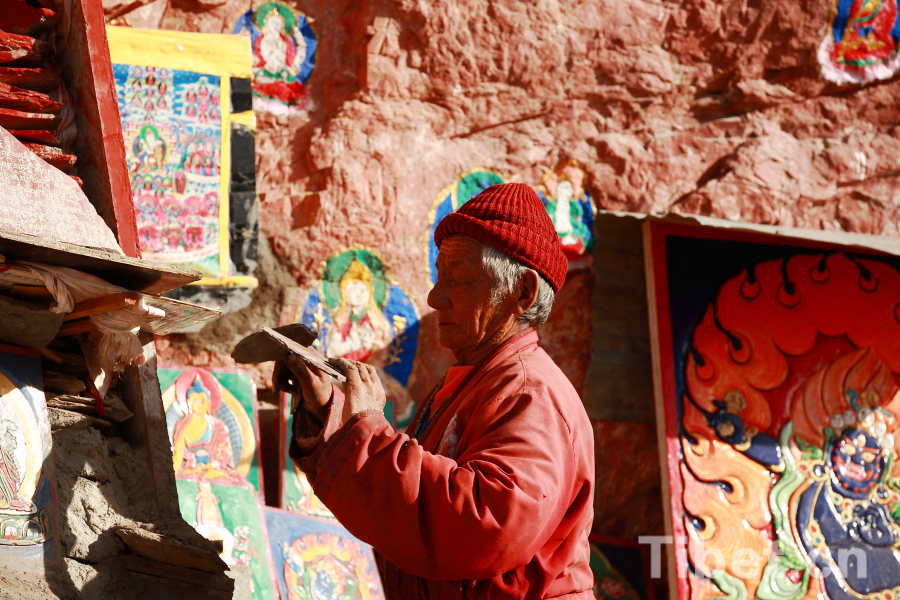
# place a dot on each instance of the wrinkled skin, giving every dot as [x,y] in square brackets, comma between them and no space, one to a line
[470,325]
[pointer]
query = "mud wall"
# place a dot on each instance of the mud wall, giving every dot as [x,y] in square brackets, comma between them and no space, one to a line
[714,108]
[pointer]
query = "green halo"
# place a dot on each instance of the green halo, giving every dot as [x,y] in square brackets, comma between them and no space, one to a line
[290,21]
[475,183]
[336,266]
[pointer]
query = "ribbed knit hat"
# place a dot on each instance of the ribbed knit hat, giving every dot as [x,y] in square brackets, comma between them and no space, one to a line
[511,218]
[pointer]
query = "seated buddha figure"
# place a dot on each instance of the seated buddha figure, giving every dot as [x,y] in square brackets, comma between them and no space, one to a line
[201,442]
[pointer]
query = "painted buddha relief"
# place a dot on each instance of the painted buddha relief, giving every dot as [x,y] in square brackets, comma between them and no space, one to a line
[862,41]
[362,314]
[571,209]
[211,418]
[464,187]
[284,55]
[25,489]
[782,408]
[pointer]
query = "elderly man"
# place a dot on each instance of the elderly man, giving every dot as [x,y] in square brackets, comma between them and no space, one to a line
[489,493]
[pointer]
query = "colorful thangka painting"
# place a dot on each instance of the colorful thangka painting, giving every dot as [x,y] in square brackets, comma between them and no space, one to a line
[316,560]
[211,416]
[296,491]
[172,124]
[26,494]
[778,364]
[284,55]
[609,584]
[571,209]
[362,314]
[862,41]
[463,188]
[231,514]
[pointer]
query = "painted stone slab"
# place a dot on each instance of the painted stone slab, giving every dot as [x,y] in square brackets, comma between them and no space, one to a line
[362,314]
[466,185]
[777,382]
[172,121]
[26,492]
[212,418]
[284,56]
[296,491]
[571,209]
[231,514]
[862,41]
[315,560]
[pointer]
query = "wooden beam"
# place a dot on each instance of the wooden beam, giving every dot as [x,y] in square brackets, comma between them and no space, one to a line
[75,327]
[103,304]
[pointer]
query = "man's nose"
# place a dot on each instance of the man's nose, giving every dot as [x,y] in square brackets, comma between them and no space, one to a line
[438,299]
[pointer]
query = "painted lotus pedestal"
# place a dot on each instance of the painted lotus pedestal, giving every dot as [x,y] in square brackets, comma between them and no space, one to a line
[777,379]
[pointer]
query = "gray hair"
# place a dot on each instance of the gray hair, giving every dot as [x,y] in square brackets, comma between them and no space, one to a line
[506,272]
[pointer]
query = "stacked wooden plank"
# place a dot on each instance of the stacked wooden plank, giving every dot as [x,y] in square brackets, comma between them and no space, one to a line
[27,73]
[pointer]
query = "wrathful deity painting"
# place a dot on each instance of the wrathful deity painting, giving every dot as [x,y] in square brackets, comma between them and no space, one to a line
[172,123]
[362,314]
[314,560]
[862,41]
[284,55]
[571,209]
[26,494]
[232,515]
[778,366]
[211,416]
[464,187]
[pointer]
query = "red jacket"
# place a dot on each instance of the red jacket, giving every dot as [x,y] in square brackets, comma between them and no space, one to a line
[508,517]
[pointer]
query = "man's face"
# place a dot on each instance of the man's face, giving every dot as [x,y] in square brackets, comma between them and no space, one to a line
[462,298]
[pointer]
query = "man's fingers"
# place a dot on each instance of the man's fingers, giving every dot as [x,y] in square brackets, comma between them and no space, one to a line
[351,370]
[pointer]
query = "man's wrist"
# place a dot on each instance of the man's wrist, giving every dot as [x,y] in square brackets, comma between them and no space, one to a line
[319,412]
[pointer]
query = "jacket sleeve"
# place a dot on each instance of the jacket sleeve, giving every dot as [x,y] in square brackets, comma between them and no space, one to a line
[309,435]
[485,514]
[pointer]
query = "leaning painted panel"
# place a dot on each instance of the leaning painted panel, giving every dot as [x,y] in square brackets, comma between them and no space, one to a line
[316,560]
[213,426]
[778,373]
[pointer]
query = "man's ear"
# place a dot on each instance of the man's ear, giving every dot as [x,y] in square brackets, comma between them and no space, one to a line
[527,292]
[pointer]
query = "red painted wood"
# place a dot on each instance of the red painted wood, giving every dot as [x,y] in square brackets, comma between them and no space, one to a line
[27,100]
[24,50]
[17,119]
[39,80]
[99,146]
[18,17]
[34,135]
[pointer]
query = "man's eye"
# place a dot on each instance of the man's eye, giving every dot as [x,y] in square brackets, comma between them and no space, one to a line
[848,449]
[868,457]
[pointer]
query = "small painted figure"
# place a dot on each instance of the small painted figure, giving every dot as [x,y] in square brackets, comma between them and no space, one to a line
[10,499]
[863,41]
[359,325]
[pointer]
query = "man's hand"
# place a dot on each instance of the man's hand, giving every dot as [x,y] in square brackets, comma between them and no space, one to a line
[314,385]
[364,389]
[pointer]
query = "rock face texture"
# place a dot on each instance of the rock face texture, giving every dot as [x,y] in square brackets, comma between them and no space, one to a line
[713,108]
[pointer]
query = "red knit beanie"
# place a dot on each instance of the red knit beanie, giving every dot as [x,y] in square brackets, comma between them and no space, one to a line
[511,218]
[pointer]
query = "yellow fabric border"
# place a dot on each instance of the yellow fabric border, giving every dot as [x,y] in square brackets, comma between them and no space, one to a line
[213,53]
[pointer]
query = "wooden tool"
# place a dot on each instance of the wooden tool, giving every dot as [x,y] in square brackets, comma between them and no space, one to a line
[307,355]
